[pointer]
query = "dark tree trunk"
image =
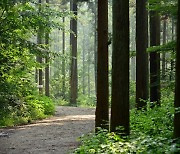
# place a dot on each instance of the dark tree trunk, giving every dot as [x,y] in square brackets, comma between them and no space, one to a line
[120,67]
[141,54]
[73,44]
[102,107]
[95,46]
[39,58]
[63,62]
[154,59]
[164,54]
[47,93]
[172,60]
[177,91]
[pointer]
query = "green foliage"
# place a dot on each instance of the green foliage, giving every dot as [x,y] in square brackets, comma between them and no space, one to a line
[105,142]
[32,108]
[151,132]
[164,7]
[19,21]
[85,101]
[61,102]
[45,103]
[170,46]
[132,91]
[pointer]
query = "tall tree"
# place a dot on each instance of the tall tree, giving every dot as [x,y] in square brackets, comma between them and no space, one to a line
[73,44]
[83,57]
[120,66]
[154,58]
[102,107]
[88,67]
[39,58]
[172,60]
[47,93]
[164,54]
[141,54]
[95,45]
[177,91]
[63,61]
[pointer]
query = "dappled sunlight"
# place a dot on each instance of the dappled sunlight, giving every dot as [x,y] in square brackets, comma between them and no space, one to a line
[58,133]
[59,121]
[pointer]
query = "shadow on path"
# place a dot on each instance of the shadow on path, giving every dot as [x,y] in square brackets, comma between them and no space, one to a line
[55,135]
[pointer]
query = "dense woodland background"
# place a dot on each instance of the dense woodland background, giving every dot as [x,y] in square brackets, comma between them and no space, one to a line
[116,54]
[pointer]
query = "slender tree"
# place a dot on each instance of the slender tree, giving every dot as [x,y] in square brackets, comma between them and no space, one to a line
[95,45]
[102,107]
[120,67]
[177,91]
[73,44]
[88,67]
[154,58]
[83,57]
[164,54]
[47,93]
[39,58]
[172,60]
[63,61]
[141,54]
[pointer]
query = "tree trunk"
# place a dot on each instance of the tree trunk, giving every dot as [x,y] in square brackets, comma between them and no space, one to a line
[47,93]
[172,60]
[95,47]
[84,62]
[154,59]
[39,58]
[141,54]
[164,54]
[177,91]
[63,62]
[102,107]
[89,86]
[120,67]
[73,44]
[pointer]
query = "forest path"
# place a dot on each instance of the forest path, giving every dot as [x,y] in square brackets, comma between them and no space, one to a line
[55,135]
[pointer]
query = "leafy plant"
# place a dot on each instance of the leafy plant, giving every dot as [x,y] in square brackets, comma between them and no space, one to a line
[151,132]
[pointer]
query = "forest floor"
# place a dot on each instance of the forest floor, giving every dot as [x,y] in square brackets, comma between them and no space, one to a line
[55,135]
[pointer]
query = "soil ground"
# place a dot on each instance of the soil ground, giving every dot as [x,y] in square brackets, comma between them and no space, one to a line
[55,135]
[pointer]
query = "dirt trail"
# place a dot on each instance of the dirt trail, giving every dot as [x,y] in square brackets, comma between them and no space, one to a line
[56,135]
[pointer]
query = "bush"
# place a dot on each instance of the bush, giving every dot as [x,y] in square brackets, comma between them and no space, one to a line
[85,101]
[151,132]
[34,107]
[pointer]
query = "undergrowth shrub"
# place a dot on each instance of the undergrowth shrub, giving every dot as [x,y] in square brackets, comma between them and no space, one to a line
[85,101]
[32,108]
[151,132]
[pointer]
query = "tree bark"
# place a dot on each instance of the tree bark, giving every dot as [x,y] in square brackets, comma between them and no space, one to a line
[102,107]
[141,54]
[177,87]
[73,44]
[63,62]
[47,93]
[164,54]
[39,58]
[89,86]
[84,91]
[95,47]
[154,59]
[172,60]
[120,67]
